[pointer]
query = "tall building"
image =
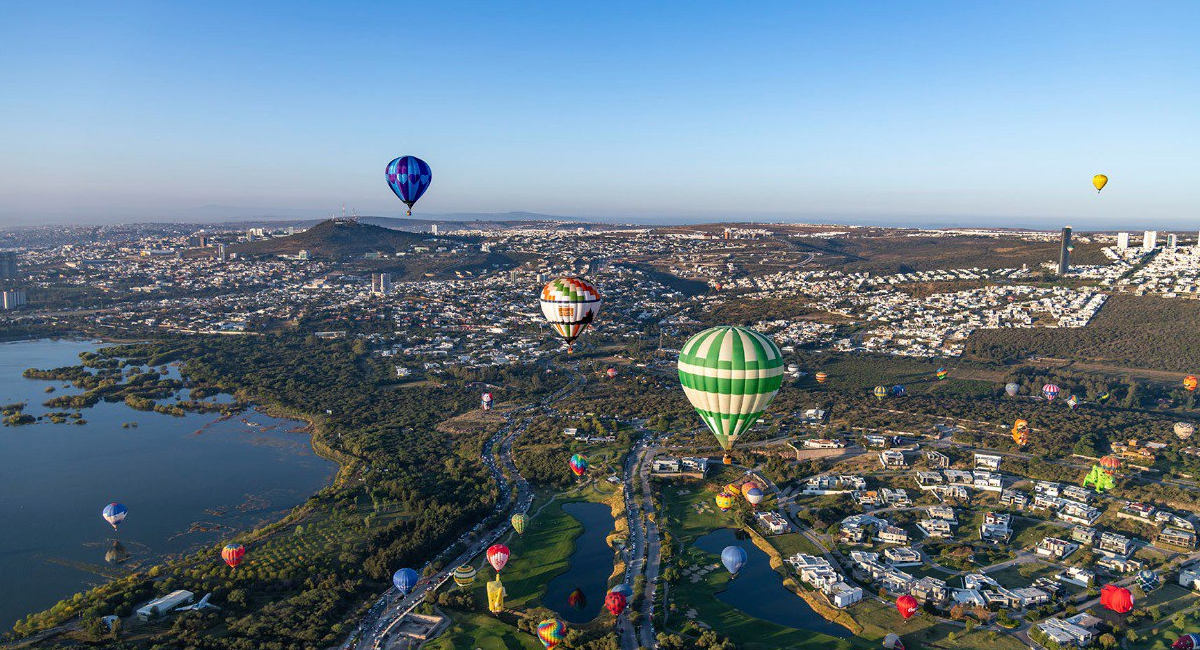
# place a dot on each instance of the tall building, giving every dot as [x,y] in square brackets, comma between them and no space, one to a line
[1172,241]
[1064,252]
[221,256]
[381,283]
[1122,240]
[434,229]
[12,298]
[1149,240]
[8,265]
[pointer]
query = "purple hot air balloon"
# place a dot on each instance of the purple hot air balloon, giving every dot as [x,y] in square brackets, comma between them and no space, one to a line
[409,177]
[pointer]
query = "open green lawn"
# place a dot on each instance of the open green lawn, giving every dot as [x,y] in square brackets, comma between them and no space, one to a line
[471,630]
[1023,575]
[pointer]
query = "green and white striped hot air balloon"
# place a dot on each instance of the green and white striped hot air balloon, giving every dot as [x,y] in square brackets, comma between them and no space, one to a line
[730,374]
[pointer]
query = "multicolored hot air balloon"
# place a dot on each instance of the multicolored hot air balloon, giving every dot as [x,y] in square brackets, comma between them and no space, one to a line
[570,305]
[1110,463]
[577,600]
[899,390]
[754,496]
[730,375]
[464,575]
[1099,181]
[495,595]
[612,373]
[615,602]
[404,580]
[409,177]
[1184,430]
[942,373]
[747,486]
[1072,402]
[551,632]
[1020,432]
[519,521]
[734,558]
[1117,599]
[1104,397]
[579,464]
[1189,383]
[1050,391]
[907,606]
[724,501]
[892,642]
[880,392]
[486,401]
[1187,642]
[114,514]
[1012,388]
[233,554]
[497,556]
[822,377]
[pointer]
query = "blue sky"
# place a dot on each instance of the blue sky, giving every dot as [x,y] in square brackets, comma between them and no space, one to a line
[926,112]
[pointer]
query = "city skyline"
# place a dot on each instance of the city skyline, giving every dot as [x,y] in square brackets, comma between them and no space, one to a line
[952,115]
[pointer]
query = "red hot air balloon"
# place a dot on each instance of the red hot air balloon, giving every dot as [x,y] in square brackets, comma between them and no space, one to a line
[615,602]
[1117,599]
[612,373]
[907,606]
[233,554]
[497,556]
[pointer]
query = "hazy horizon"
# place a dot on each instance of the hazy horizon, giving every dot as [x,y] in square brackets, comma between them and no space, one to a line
[945,114]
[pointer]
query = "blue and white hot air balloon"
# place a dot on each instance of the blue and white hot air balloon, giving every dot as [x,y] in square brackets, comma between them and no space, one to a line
[114,514]
[734,558]
[405,580]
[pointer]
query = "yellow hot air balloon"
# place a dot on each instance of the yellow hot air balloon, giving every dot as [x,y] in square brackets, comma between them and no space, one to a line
[724,501]
[495,595]
[1099,180]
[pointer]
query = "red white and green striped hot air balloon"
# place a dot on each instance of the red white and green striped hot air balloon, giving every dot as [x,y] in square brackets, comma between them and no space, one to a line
[551,632]
[730,375]
[570,305]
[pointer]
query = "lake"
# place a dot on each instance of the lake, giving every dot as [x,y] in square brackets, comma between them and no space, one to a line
[578,595]
[758,590]
[188,482]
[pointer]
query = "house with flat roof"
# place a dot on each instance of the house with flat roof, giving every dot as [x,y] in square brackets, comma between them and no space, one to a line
[989,462]
[1054,548]
[1115,544]
[1176,538]
[891,458]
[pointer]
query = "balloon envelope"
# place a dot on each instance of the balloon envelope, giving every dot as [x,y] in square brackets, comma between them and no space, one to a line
[615,602]
[409,177]
[495,595]
[754,496]
[577,599]
[497,556]
[465,575]
[404,581]
[907,606]
[551,632]
[519,521]
[233,554]
[1011,388]
[579,464]
[1187,642]
[114,514]
[893,642]
[1117,599]
[1099,181]
[1190,382]
[1050,391]
[880,392]
[822,377]
[624,589]
[570,305]
[899,391]
[1184,429]
[612,372]
[730,375]
[734,558]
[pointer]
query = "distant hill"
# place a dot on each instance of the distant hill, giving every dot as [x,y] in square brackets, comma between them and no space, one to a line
[337,239]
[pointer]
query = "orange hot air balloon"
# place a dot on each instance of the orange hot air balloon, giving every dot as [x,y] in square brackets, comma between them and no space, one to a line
[233,554]
[1110,463]
[907,606]
[747,486]
[1190,382]
[822,377]
[1117,599]
[1020,432]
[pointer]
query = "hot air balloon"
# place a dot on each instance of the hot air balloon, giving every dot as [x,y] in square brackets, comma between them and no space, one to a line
[233,554]
[730,375]
[733,489]
[404,581]
[623,589]
[114,514]
[754,496]
[579,464]
[724,501]
[487,401]
[1020,432]
[1050,391]
[612,373]
[1012,388]
[495,595]
[747,486]
[615,602]
[570,305]
[1148,580]
[1104,397]
[551,632]
[1184,430]
[1099,181]
[734,558]
[1100,479]
[1117,599]
[519,521]
[1072,402]
[1187,642]
[942,373]
[880,392]
[464,575]
[907,606]
[1110,463]
[893,642]
[497,556]
[409,177]
[822,377]
[576,599]
[899,391]
[1189,383]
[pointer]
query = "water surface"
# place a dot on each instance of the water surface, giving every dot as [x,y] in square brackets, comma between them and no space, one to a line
[590,566]
[187,481]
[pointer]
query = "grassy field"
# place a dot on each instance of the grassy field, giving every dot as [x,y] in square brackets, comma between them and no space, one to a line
[471,631]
